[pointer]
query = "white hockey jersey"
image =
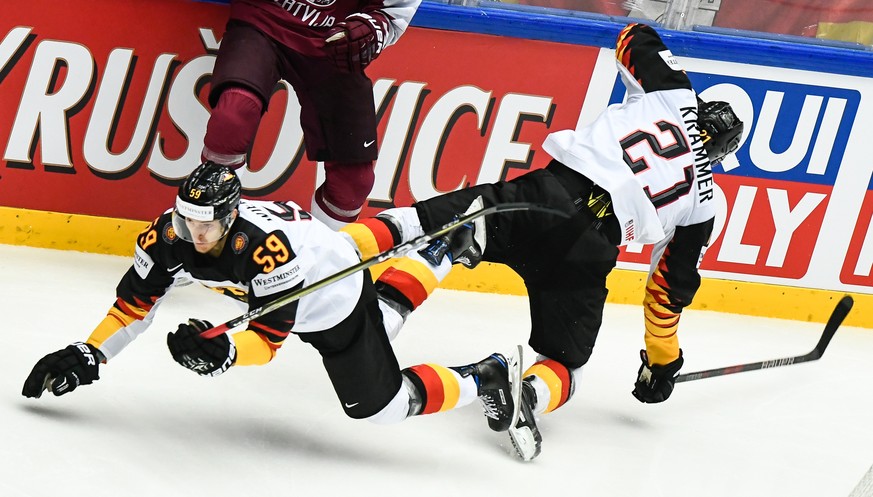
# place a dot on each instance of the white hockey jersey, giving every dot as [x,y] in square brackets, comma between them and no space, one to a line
[272,249]
[647,153]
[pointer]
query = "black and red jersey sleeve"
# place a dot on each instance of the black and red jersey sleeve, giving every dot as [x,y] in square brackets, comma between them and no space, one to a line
[640,50]
[671,287]
[148,279]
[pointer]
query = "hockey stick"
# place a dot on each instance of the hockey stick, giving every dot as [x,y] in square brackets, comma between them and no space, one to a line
[397,251]
[834,322]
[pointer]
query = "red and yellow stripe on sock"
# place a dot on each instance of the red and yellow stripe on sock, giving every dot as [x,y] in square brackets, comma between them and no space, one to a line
[441,387]
[372,236]
[414,278]
[557,377]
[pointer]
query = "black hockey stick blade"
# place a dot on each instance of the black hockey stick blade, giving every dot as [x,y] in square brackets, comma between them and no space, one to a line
[397,251]
[840,312]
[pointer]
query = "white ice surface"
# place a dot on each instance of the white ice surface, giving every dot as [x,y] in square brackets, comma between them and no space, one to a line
[152,428]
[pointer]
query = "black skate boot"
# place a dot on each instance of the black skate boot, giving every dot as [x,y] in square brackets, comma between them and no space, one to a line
[499,388]
[458,244]
[464,244]
[524,434]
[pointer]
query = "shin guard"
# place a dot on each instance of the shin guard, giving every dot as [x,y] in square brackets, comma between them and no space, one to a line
[232,126]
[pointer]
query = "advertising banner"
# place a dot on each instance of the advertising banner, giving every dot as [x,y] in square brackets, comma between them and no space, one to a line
[104,117]
[794,199]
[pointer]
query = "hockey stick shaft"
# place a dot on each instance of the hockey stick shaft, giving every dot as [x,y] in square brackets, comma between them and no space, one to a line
[396,251]
[837,316]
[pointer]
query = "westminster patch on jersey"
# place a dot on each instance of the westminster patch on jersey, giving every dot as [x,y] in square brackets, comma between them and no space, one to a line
[281,279]
[142,262]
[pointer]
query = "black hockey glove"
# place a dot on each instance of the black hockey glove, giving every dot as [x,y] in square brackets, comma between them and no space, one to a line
[357,41]
[655,382]
[64,370]
[204,356]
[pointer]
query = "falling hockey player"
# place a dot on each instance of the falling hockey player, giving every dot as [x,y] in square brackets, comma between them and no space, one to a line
[641,173]
[257,251]
[614,194]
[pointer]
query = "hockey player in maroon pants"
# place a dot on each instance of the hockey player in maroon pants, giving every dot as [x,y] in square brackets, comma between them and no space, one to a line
[321,48]
[641,172]
[256,252]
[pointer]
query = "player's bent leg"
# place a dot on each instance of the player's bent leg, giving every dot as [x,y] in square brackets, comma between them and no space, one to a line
[432,388]
[464,245]
[444,388]
[393,315]
[553,383]
[359,359]
[404,221]
[339,200]
[232,126]
[409,281]
[389,228]
[372,236]
[548,384]
[406,403]
[406,282]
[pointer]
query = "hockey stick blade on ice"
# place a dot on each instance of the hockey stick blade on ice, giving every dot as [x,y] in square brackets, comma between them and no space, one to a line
[397,251]
[840,312]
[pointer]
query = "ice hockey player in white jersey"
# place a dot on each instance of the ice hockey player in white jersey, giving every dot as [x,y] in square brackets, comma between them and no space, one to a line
[255,252]
[641,172]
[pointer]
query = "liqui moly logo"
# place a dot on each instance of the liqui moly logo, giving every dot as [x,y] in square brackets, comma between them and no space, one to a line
[775,193]
[780,182]
[793,132]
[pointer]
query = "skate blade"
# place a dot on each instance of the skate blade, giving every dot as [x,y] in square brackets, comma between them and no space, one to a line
[524,443]
[514,366]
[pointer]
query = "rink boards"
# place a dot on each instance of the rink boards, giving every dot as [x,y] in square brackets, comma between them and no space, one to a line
[100,119]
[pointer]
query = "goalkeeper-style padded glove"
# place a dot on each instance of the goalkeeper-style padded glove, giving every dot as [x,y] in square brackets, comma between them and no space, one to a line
[356,41]
[655,382]
[204,356]
[63,371]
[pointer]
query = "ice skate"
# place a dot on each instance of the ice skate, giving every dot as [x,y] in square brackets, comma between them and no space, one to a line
[464,245]
[499,386]
[524,433]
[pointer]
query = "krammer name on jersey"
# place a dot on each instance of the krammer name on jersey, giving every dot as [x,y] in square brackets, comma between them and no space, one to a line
[701,159]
